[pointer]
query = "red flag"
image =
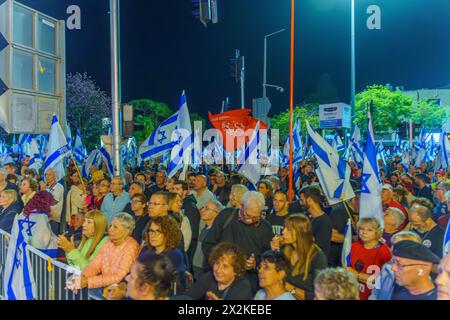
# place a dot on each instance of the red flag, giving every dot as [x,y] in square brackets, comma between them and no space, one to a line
[233,124]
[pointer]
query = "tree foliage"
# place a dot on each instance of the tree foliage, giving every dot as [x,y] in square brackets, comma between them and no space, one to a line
[149,114]
[429,115]
[390,108]
[308,112]
[87,105]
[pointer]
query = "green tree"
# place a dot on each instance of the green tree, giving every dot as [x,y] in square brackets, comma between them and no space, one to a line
[429,115]
[149,114]
[390,108]
[308,112]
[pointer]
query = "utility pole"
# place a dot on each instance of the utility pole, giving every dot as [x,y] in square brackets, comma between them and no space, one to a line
[242,82]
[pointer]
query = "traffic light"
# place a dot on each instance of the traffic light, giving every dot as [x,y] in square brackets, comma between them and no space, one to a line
[205,11]
[236,67]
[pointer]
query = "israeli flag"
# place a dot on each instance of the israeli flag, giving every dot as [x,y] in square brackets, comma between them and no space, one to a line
[15,147]
[79,150]
[347,245]
[58,149]
[251,169]
[24,143]
[337,143]
[131,152]
[33,230]
[446,244]
[70,141]
[94,159]
[333,172]
[181,152]
[160,140]
[297,135]
[371,181]
[356,144]
[35,156]
[108,160]
[422,148]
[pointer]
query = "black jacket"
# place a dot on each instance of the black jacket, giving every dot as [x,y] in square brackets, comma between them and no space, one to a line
[7,215]
[193,214]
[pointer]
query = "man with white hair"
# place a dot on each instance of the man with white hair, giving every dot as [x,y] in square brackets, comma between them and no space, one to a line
[116,200]
[52,185]
[246,228]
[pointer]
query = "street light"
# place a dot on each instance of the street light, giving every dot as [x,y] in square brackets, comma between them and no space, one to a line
[353,71]
[265,85]
[278,88]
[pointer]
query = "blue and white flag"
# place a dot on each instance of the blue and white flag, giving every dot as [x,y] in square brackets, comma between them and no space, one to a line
[79,150]
[251,169]
[24,143]
[94,159]
[108,160]
[181,153]
[421,144]
[15,147]
[444,150]
[347,245]
[356,144]
[35,156]
[58,149]
[33,229]
[333,171]
[337,143]
[160,140]
[371,206]
[446,244]
[70,141]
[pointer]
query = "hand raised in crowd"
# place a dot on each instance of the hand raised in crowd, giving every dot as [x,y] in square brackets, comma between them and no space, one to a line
[250,264]
[115,291]
[276,242]
[65,244]
[212,296]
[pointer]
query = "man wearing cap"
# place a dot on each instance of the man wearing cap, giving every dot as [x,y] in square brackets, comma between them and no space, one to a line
[387,199]
[412,263]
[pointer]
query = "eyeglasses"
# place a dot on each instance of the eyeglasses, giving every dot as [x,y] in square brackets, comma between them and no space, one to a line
[252,218]
[157,232]
[210,209]
[401,267]
[136,201]
[156,204]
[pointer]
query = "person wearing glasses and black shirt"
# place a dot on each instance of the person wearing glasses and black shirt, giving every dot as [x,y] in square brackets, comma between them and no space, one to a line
[412,264]
[245,228]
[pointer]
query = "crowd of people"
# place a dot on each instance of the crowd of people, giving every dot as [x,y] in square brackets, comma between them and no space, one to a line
[215,236]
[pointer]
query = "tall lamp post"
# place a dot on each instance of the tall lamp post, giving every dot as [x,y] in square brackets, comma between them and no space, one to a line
[114,6]
[265,85]
[291,102]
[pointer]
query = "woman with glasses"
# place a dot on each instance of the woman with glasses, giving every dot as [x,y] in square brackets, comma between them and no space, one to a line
[368,254]
[226,281]
[162,237]
[305,256]
[139,212]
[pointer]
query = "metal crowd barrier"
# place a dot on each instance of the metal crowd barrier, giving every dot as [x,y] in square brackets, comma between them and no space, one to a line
[50,275]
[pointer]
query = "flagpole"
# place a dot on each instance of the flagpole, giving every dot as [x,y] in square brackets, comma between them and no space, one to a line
[78,171]
[291,102]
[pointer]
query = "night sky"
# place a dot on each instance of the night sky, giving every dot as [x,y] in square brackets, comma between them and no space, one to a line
[165,49]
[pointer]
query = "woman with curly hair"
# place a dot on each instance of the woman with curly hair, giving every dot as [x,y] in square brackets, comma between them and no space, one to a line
[162,236]
[336,284]
[226,281]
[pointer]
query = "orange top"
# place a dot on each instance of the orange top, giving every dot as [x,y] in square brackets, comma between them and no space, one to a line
[111,264]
